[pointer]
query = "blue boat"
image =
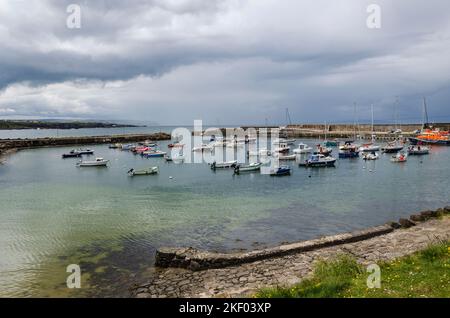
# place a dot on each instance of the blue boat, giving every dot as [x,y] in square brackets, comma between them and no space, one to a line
[281,171]
[154,154]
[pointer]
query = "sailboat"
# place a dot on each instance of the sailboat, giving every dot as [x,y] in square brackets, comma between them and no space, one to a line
[329,143]
[370,147]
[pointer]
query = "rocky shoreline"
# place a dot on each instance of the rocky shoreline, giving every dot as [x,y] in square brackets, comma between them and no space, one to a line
[390,241]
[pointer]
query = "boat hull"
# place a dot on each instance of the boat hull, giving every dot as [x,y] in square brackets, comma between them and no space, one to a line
[416,141]
[320,164]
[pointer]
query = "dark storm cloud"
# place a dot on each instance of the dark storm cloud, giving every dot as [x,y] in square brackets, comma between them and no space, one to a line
[199,57]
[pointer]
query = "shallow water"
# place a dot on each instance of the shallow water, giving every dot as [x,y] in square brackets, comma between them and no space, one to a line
[53,214]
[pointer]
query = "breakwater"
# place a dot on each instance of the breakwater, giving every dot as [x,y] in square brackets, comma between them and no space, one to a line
[7,144]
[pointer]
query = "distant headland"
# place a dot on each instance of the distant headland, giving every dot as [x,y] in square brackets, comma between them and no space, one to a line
[42,124]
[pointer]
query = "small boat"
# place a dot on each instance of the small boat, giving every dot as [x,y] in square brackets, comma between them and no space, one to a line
[348,150]
[223,165]
[286,157]
[115,146]
[168,158]
[399,157]
[128,147]
[282,148]
[392,147]
[71,154]
[173,159]
[139,150]
[154,153]
[323,150]
[143,172]
[255,166]
[85,151]
[98,162]
[370,155]
[418,150]
[303,148]
[280,171]
[319,160]
[369,148]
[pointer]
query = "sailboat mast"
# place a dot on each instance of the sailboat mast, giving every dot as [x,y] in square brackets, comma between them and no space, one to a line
[373,133]
[425,114]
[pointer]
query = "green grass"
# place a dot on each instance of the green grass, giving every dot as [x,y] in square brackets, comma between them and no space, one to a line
[423,274]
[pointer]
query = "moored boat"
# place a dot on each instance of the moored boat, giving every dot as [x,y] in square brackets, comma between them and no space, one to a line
[370,155]
[85,151]
[319,160]
[348,150]
[323,150]
[280,171]
[143,172]
[71,154]
[369,147]
[286,157]
[302,149]
[392,147]
[282,148]
[98,162]
[255,166]
[154,153]
[223,165]
[417,150]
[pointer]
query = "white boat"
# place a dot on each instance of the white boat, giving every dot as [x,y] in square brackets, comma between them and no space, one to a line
[370,156]
[303,148]
[255,166]
[369,148]
[223,165]
[282,147]
[418,150]
[98,162]
[143,172]
[85,151]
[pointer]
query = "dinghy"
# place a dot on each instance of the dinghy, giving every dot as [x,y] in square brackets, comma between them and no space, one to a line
[399,157]
[143,172]
[370,155]
[223,165]
[98,162]
[255,166]
[302,149]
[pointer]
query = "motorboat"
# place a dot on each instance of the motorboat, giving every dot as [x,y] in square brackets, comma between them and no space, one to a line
[282,148]
[143,172]
[319,160]
[369,147]
[280,171]
[348,150]
[418,150]
[85,151]
[115,146]
[323,150]
[71,154]
[286,157]
[302,149]
[154,153]
[223,165]
[392,147]
[128,147]
[399,157]
[370,155]
[433,137]
[255,166]
[98,162]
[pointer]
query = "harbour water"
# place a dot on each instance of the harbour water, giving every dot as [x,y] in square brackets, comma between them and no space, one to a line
[53,214]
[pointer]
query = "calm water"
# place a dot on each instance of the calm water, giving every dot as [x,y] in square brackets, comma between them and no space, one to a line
[53,214]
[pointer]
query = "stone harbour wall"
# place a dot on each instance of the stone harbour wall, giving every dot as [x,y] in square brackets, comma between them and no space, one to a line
[241,280]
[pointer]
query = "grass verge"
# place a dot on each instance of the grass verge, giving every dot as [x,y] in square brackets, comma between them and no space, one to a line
[423,274]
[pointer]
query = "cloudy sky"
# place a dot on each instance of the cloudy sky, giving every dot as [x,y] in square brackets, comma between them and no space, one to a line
[224,61]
